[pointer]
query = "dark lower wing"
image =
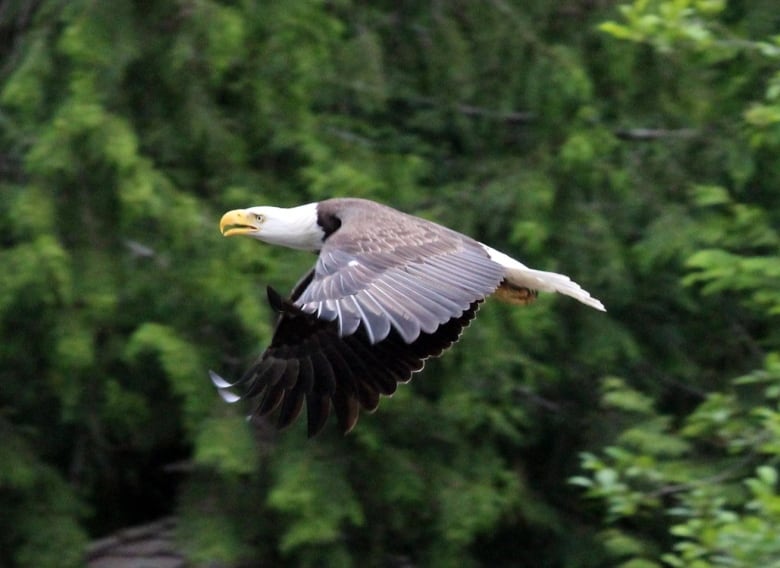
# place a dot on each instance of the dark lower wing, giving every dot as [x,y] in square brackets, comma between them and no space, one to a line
[308,363]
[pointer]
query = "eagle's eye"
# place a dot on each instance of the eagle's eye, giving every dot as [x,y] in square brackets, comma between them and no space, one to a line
[260,218]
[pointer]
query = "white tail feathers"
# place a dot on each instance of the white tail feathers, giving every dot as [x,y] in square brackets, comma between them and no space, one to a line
[520,275]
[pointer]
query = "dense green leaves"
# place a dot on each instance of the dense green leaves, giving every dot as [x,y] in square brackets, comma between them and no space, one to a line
[632,147]
[41,513]
[707,476]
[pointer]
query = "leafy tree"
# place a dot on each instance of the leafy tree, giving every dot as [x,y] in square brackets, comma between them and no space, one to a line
[638,157]
[707,476]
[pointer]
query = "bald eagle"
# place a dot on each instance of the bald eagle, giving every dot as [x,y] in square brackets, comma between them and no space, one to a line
[388,291]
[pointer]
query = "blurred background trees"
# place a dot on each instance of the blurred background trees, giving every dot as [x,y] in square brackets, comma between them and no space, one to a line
[633,146]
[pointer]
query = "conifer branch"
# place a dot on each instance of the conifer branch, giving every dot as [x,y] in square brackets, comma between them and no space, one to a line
[643,134]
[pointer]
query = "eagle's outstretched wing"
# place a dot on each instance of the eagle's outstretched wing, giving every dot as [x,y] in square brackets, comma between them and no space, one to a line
[308,361]
[409,275]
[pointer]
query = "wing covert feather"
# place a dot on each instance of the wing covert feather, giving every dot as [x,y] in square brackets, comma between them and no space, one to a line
[387,270]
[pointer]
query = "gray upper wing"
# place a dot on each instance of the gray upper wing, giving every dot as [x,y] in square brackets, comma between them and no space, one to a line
[387,269]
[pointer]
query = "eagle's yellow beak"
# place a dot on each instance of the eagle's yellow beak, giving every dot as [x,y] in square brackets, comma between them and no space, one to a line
[238,222]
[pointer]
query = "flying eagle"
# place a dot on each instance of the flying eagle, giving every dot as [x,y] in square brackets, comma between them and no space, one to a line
[388,291]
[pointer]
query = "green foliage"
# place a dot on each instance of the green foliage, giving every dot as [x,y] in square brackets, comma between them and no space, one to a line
[225,445]
[667,24]
[312,492]
[712,480]
[632,148]
[218,519]
[181,366]
[751,270]
[474,498]
[41,514]
[708,475]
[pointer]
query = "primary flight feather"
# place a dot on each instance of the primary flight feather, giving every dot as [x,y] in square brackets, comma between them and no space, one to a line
[388,291]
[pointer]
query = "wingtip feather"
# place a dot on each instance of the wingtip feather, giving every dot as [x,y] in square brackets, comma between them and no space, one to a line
[228,396]
[223,388]
[218,381]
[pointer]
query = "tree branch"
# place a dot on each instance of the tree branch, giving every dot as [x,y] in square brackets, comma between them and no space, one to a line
[645,134]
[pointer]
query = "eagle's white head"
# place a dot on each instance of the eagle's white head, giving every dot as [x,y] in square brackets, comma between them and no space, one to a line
[295,227]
